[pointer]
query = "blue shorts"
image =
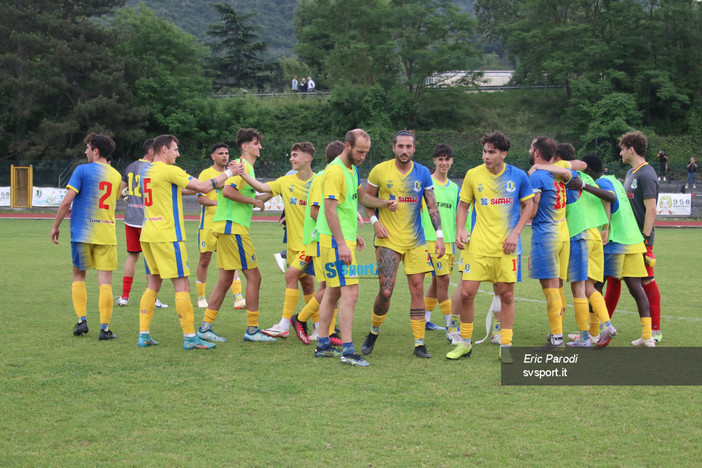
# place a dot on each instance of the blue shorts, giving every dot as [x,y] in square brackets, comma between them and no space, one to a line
[549,260]
[577,265]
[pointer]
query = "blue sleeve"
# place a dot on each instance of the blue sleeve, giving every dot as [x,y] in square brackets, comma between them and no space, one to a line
[606,184]
[536,181]
[525,188]
[426,175]
[77,177]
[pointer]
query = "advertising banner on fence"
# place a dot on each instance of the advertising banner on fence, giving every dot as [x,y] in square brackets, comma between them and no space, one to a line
[674,204]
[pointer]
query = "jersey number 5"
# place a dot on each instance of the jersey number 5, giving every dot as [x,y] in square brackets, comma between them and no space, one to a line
[107,188]
[148,200]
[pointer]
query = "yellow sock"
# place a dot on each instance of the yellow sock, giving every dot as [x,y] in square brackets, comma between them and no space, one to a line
[200,288]
[332,326]
[466,330]
[446,310]
[251,318]
[563,305]
[594,324]
[236,287]
[310,309]
[582,313]
[646,327]
[599,307]
[506,337]
[210,315]
[105,303]
[377,320]
[553,308]
[430,303]
[184,309]
[146,310]
[418,327]
[308,297]
[80,298]
[290,302]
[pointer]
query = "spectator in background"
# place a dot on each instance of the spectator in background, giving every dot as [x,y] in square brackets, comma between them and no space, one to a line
[294,84]
[303,86]
[663,165]
[691,174]
[310,84]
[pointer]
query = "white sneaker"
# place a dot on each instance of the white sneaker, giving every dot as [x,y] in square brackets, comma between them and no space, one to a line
[454,337]
[277,331]
[239,302]
[314,335]
[282,264]
[649,343]
[161,305]
[122,302]
[202,303]
[496,338]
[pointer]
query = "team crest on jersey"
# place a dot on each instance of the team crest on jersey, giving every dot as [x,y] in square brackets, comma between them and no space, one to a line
[417,186]
[291,188]
[253,257]
[480,187]
[293,201]
[484,201]
[466,268]
[389,184]
[634,183]
[510,186]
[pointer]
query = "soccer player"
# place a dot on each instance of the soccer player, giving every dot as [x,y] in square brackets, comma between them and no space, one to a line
[293,189]
[133,219]
[641,186]
[337,225]
[93,190]
[310,241]
[585,214]
[399,236]
[163,238]
[624,248]
[205,239]
[550,242]
[503,202]
[447,201]
[236,251]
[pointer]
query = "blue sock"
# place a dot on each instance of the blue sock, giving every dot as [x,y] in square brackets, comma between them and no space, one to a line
[347,348]
[251,330]
[82,319]
[323,343]
[103,326]
[585,335]
[205,326]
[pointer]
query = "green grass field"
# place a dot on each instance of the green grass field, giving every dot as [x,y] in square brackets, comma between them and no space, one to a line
[75,401]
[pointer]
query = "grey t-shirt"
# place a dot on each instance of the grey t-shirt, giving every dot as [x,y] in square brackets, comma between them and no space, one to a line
[135,202]
[640,185]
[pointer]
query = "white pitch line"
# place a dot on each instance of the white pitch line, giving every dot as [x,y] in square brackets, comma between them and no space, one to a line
[619,311]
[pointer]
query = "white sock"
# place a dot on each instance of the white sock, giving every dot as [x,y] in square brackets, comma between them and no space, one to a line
[427,315]
[284,323]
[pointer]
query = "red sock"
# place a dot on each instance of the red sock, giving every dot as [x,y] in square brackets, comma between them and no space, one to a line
[614,290]
[127,286]
[654,301]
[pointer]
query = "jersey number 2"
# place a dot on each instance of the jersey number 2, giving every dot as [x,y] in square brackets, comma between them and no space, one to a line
[107,188]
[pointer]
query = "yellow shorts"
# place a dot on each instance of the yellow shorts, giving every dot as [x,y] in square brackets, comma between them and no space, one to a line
[333,271]
[442,266]
[206,240]
[166,259]
[505,269]
[416,260]
[235,252]
[595,260]
[318,269]
[625,266]
[300,261]
[97,256]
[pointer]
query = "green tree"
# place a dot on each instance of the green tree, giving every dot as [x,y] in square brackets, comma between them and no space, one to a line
[237,55]
[61,79]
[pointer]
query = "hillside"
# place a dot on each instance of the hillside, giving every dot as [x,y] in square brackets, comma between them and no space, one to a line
[273,17]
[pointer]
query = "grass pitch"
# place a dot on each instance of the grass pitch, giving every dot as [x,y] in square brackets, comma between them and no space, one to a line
[75,401]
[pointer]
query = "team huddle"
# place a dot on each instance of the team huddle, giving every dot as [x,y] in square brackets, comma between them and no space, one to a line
[586,228]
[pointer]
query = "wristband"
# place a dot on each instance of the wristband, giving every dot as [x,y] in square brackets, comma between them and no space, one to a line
[373,219]
[584,185]
[214,184]
[228,172]
[439,234]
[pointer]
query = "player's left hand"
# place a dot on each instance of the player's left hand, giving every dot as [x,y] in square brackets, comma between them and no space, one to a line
[237,168]
[360,243]
[392,205]
[380,231]
[510,243]
[575,183]
[359,217]
[55,235]
[440,247]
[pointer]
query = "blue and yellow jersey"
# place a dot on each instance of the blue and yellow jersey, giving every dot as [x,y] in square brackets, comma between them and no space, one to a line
[447,202]
[335,187]
[549,225]
[404,225]
[207,212]
[93,212]
[163,203]
[233,217]
[293,191]
[496,207]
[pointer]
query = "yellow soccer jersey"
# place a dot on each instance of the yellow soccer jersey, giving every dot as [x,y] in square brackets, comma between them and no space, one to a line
[93,211]
[294,192]
[405,224]
[497,207]
[163,203]
[207,212]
